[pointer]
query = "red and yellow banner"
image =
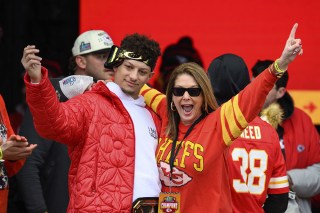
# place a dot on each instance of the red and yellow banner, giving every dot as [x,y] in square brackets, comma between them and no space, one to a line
[308,101]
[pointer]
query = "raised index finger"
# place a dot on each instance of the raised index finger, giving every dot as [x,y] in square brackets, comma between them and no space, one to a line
[293,31]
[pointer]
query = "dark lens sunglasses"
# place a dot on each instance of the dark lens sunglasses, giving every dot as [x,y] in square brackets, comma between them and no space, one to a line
[193,92]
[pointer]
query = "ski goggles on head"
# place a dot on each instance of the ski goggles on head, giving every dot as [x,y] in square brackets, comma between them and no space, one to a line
[117,55]
[193,92]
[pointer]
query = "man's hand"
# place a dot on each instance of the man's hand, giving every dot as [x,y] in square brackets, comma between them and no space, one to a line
[32,63]
[16,148]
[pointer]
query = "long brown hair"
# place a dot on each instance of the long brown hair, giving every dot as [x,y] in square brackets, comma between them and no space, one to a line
[209,101]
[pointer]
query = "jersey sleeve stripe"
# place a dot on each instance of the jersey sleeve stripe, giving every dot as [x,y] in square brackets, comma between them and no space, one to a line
[278,182]
[225,134]
[239,116]
[232,117]
[152,97]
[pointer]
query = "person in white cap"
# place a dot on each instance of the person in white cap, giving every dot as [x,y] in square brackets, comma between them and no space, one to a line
[89,53]
[42,183]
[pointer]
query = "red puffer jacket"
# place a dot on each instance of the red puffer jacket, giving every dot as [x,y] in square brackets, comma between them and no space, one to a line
[100,137]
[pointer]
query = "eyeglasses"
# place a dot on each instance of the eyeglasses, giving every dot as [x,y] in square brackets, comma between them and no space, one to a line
[193,92]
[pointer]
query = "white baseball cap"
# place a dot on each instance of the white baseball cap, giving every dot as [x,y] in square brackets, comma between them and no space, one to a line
[91,41]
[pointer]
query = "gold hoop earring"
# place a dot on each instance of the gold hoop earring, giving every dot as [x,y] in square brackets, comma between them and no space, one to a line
[173,107]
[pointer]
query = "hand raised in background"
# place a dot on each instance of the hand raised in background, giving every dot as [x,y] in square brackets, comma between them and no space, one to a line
[292,48]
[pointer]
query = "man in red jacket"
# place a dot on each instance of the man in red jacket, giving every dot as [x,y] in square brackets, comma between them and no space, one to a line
[110,134]
[42,183]
[299,141]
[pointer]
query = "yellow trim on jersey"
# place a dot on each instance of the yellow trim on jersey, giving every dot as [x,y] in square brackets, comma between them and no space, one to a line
[230,116]
[231,112]
[239,116]
[152,97]
[225,135]
[145,87]
[279,182]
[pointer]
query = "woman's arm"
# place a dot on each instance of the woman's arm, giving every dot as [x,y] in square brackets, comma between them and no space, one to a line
[244,107]
[155,100]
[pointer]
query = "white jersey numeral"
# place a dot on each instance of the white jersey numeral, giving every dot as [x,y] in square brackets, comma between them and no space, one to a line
[252,169]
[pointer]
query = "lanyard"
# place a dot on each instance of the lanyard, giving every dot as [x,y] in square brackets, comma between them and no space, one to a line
[174,151]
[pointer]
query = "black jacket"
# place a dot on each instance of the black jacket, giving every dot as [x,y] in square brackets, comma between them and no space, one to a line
[42,183]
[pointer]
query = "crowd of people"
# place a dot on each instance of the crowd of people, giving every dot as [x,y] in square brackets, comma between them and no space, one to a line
[103,140]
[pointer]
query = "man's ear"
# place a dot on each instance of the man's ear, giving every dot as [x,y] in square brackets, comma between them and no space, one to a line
[81,61]
[280,92]
[150,75]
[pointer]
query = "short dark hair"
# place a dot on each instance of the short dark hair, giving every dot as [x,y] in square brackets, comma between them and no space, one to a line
[261,65]
[72,66]
[142,45]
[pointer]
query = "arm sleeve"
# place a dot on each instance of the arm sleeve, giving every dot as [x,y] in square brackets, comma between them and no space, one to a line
[28,179]
[63,122]
[306,182]
[236,113]
[155,100]
[276,203]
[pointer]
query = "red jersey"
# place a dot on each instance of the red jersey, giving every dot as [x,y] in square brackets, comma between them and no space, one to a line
[200,169]
[256,167]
